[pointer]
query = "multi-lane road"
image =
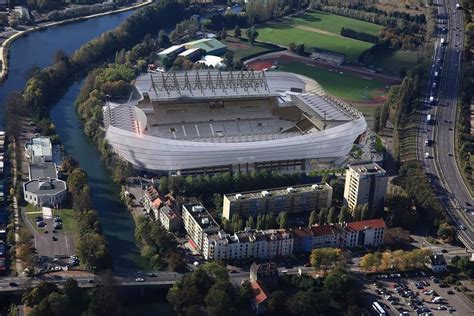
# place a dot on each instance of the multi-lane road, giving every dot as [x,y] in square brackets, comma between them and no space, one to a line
[435,141]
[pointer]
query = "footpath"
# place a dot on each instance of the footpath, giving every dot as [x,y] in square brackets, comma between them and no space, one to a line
[4,48]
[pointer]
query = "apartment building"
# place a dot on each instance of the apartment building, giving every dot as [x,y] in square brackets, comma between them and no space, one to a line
[362,233]
[365,233]
[197,223]
[296,199]
[169,219]
[249,244]
[365,184]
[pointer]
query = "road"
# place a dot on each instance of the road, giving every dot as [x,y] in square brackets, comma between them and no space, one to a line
[440,132]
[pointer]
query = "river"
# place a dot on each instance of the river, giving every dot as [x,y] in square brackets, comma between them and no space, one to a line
[38,48]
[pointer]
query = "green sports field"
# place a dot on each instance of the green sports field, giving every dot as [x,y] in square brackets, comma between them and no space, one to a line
[319,29]
[344,86]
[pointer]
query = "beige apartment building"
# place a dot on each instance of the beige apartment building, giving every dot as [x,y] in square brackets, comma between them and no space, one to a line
[296,199]
[365,184]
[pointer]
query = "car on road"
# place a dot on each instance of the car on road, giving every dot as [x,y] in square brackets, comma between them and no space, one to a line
[55,238]
[139,280]
[450,292]
[13,284]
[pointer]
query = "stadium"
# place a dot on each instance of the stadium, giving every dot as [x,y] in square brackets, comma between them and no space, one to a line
[208,121]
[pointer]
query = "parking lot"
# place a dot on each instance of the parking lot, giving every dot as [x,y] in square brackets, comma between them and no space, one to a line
[417,294]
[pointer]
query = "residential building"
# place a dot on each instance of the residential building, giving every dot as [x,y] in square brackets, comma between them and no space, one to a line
[365,233]
[297,199]
[197,223]
[437,263]
[42,170]
[39,150]
[362,233]
[323,236]
[170,220]
[266,274]
[259,298]
[152,201]
[249,244]
[365,184]
[45,192]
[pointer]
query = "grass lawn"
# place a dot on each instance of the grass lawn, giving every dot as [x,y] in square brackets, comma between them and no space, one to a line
[285,34]
[67,215]
[394,60]
[242,48]
[334,23]
[322,30]
[343,86]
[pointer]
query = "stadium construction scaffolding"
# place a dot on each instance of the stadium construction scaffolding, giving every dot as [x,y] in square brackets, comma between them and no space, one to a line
[210,81]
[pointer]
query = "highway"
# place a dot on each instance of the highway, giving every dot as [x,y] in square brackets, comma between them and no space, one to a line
[438,155]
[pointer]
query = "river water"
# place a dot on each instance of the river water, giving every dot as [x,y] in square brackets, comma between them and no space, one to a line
[38,48]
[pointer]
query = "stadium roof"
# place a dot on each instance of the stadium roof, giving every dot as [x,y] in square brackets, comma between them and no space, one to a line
[203,84]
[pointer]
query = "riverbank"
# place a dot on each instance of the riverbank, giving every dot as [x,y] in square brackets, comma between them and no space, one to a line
[5,47]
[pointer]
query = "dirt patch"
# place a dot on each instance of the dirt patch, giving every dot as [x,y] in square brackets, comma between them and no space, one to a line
[315,30]
[237,46]
[260,64]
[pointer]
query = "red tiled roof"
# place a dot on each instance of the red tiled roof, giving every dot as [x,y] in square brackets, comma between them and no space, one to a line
[302,232]
[362,225]
[259,292]
[157,202]
[321,230]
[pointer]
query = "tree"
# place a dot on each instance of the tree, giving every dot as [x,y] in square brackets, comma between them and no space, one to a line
[39,293]
[220,298]
[229,59]
[237,32]
[446,232]
[92,249]
[163,39]
[332,215]
[292,47]
[344,215]
[282,220]
[76,181]
[260,221]
[252,34]
[365,212]
[163,187]
[300,49]
[250,222]
[104,299]
[323,216]
[276,303]
[324,258]
[313,218]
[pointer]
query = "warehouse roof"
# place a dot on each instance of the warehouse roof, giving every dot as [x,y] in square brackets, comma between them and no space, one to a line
[43,170]
[207,44]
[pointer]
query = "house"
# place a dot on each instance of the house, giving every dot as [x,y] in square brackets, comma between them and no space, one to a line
[259,298]
[152,200]
[265,273]
[437,263]
[323,236]
[45,192]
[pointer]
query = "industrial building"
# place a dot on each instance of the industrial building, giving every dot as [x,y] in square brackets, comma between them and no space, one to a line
[209,121]
[295,199]
[39,150]
[365,184]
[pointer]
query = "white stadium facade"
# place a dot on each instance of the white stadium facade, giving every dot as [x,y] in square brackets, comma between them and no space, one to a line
[210,121]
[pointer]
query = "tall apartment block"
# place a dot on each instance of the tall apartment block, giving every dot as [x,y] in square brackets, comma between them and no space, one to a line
[296,199]
[365,184]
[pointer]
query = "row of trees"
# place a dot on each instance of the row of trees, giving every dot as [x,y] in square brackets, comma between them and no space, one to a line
[46,299]
[158,245]
[397,260]
[465,139]
[92,247]
[361,36]
[208,291]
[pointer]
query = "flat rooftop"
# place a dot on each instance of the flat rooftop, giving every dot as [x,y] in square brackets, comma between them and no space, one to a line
[258,194]
[45,186]
[40,146]
[324,107]
[202,217]
[42,170]
[367,169]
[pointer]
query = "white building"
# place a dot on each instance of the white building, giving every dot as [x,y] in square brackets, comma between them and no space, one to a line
[367,233]
[45,192]
[250,244]
[365,184]
[169,219]
[197,223]
[39,150]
